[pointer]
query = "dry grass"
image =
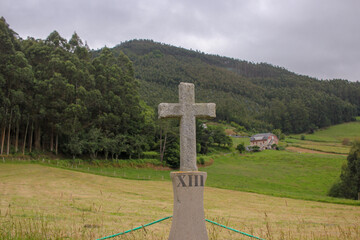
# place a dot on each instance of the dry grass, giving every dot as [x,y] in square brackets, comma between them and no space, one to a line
[38,202]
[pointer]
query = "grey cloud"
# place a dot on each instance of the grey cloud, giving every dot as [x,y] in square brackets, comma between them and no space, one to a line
[316,38]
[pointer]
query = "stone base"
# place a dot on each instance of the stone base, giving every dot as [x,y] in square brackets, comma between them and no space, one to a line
[188,221]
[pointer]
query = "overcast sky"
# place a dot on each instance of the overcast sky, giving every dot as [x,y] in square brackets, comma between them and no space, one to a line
[318,38]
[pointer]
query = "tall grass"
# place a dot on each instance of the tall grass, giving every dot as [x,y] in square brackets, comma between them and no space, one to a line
[39,226]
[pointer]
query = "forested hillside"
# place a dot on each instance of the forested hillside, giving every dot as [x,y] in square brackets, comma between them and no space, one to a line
[259,97]
[55,97]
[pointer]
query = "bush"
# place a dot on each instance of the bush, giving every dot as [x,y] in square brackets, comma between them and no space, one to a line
[254,149]
[201,160]
[282,136]
[240,147]
[349,184]
[302,137]
[172,155]
[280,148]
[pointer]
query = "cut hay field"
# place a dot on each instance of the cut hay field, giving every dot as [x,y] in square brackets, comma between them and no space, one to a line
[277,173]
[325,147]
[40,202]
[335,139]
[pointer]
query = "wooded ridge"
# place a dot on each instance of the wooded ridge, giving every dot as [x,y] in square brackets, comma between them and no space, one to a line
[258,96]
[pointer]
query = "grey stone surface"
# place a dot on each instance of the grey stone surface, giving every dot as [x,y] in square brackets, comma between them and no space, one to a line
[188,218]
[188,215]
[187,110]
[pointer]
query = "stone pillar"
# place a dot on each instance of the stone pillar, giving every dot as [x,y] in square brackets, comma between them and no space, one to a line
[188,221]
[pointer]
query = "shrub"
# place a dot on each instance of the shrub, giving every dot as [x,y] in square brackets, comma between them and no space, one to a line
[274,146]
[240,147]
[254,149]
[349,184]
[280,148]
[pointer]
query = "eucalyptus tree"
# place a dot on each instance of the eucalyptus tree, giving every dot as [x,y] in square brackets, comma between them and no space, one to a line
[15,77]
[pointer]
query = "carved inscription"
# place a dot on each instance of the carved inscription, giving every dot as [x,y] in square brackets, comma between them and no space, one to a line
[190,181]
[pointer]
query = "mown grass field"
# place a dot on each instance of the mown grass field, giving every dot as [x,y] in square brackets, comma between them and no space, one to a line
[40,202]
[335,139]
[336,133]
[278,173]
[237,141]
[325,147]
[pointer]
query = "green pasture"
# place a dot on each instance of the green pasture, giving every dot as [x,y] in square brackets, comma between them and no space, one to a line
[271,172]
[336,133]
[326,147]
[278,173]
[237,141]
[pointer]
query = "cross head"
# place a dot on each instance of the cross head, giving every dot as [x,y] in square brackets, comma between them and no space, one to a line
[187,110]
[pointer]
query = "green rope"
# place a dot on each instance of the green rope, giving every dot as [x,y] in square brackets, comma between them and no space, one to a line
[246,234]
[157,221]
[134,229]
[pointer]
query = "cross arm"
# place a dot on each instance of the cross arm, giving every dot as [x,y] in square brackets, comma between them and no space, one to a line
[170,110]
[205,110]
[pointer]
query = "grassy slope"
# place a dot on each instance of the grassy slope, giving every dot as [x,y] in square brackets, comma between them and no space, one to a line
[334,133]
[326,147]
[328,140]
[38,202]
[280,173]
[277,173]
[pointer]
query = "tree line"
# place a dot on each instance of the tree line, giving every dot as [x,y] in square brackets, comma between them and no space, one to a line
[56,97]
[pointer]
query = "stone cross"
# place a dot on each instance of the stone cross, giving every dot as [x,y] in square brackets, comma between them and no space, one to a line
[187,110]
[188,184]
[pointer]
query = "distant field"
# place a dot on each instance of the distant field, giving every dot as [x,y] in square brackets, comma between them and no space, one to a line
[279,173]
[237,141]
[326,147]
[336,133]
[335,139]
[39,202]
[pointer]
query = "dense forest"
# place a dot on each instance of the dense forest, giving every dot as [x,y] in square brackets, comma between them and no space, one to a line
[260,97]
[57,95]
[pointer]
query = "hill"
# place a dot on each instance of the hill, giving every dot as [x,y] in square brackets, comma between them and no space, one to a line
[336,139]
[341,133]
[256,95]
[38,202]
